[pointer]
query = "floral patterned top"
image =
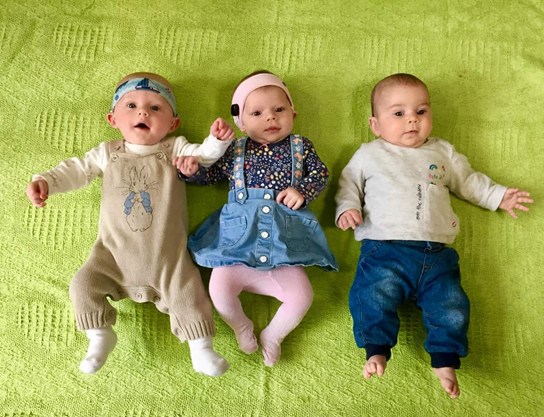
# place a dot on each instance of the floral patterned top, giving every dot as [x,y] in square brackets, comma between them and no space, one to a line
[269,166]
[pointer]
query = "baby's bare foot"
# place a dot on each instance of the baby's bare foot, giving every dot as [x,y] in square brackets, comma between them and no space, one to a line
[375,365]
[448,379]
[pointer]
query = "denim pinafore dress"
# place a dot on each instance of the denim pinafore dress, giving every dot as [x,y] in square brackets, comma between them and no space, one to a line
[253,230]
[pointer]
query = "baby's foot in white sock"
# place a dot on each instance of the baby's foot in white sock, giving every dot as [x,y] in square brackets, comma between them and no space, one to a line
[206,360]
[271,349]
[101,343]
[247,342]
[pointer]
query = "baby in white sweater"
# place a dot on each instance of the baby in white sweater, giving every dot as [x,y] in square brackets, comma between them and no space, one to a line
[394,193]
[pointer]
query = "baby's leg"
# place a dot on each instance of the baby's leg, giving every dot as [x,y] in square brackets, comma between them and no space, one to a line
[290,285]
[89,291]
[446,311]
[448,379]
[101,343]
[226,284]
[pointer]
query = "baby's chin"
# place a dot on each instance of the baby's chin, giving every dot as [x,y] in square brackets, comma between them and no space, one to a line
[267,139]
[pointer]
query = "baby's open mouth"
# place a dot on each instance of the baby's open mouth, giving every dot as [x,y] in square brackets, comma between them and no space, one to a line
[141,126]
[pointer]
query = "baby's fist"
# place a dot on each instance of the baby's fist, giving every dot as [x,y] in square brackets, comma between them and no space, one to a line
[221,130]
[187,165]
[37,192]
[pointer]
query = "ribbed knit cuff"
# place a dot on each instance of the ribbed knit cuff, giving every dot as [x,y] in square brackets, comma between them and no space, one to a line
[196,330]
[445,360]
[383,350]
[96,320]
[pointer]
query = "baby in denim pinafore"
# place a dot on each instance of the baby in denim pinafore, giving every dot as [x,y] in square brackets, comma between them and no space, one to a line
[261,240]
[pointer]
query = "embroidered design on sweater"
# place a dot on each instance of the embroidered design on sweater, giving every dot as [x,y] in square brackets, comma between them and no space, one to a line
[436,174]
[137,206]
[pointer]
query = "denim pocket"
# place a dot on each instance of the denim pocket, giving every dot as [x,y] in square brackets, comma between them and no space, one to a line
[299,231]
[369,247]
[231,231]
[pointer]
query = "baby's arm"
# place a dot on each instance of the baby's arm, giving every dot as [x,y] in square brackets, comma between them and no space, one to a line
[312,182]
[514,199]
[207,153]
[71,174]
[350,195]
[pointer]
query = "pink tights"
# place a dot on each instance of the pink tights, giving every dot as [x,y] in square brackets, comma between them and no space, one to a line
[289,284]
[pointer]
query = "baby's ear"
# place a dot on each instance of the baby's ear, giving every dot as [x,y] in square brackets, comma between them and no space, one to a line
[374,126]
[111,119]
[175,124]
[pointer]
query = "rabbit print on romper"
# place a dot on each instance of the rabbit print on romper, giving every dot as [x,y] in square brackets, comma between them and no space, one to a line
[138,210]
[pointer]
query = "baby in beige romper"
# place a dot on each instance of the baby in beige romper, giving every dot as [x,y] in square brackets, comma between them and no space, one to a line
[141,249]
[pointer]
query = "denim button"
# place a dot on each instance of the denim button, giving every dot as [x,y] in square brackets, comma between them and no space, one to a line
[266,209]
[240,196]
[263,259]
[267,196]
[265,235]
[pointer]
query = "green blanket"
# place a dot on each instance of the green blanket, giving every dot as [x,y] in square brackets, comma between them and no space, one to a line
[60,60]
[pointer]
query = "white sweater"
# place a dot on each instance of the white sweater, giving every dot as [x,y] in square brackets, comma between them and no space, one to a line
[403,193]
[75,173]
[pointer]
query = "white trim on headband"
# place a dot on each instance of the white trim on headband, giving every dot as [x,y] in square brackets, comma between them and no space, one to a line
[135,84]
[247,86]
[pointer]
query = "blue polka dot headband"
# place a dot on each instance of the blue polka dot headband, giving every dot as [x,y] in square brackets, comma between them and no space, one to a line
[145,84]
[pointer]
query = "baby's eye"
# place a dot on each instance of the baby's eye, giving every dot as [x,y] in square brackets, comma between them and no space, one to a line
[422,111]
[280,109]
[398,113]
[155,108]
[131,105]
[256,113]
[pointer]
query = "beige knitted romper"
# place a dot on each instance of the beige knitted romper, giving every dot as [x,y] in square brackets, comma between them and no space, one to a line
[141,250]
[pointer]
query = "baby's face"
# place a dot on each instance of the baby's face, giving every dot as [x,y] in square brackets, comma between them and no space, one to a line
[268,116]
[143,117]
[402,115]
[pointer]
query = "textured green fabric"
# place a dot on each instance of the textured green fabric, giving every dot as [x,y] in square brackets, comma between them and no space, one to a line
[60,61]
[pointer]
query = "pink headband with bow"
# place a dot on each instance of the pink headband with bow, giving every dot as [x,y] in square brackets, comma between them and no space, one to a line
[249,85]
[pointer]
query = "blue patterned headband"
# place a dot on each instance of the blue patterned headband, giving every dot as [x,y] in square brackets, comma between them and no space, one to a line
[136,84]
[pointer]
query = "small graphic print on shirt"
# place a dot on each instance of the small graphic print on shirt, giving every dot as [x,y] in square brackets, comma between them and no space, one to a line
[436,174]
[137,206]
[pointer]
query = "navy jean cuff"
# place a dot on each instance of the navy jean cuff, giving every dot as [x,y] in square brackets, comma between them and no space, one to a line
[445,360]
[372,350]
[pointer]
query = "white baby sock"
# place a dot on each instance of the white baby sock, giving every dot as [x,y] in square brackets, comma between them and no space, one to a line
[101,343]
[205,360]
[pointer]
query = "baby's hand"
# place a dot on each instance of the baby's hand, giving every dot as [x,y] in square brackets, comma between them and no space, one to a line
[514,199]
[37,192]
[187,165]
[221,130]
[290,198]
[350,219]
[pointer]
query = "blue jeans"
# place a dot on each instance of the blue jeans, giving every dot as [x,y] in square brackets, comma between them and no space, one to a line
[390,273]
